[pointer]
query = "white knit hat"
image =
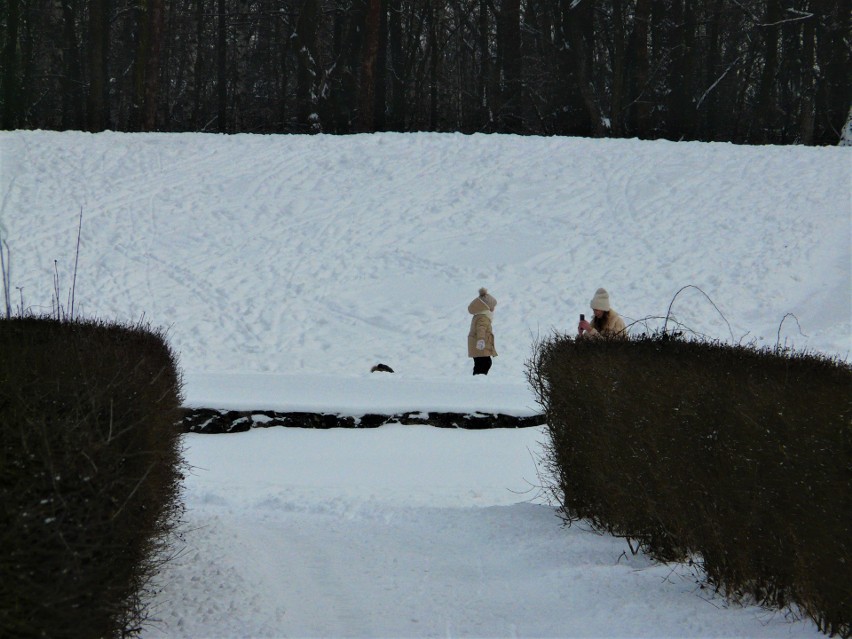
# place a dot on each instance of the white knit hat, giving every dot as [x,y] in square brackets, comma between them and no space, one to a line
[600,301]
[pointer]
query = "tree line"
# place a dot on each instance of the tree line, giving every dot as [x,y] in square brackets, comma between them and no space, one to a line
[745,71]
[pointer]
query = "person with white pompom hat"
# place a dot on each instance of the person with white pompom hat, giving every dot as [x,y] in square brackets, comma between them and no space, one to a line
[480,338]
[606,323]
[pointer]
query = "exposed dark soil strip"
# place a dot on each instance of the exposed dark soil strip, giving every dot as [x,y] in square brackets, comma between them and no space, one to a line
[209,420]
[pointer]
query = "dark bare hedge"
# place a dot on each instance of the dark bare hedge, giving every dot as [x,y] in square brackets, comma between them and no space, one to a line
[90,468]
[733,456]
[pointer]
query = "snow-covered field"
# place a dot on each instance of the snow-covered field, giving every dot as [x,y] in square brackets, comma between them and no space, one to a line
[286,266]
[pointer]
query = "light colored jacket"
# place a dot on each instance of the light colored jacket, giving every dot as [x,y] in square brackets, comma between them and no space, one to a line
[614,327]
[480,329]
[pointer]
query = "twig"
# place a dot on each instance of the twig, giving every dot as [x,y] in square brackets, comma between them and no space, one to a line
[718,80]
[133,492]
[7,277]
[803,15]
[56,290]
[683,328]
[76,260]
[669,312]
[778,339]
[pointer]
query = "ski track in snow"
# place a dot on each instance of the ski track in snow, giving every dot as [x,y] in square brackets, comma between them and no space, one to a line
[393,232]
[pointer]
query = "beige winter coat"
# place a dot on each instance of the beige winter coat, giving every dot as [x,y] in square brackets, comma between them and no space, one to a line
[614,327]
[480,329]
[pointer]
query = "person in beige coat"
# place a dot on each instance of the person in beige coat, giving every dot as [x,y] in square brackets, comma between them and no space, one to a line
[480,338]
[607,323]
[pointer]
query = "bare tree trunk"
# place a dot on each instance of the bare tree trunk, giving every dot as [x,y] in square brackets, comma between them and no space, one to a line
[715,75]
[27,63]
[766,97]
[347,94]
[307,73]
[835,90]
[367,89]
[640,109]
[172,73]
[10,82]
[222,67]
[546,61]
[511,108]
[283,91]
[147,65]
[743,117]
[397,104]
[809,82]
[243,32]
[152,68]
[72,79]
[688,69]
[483,89]
[380,102]
[198,79]
[679,36]
[581,33]
[434,53]
[136,117]
[619,65]
[98,96]
[736,59]
[572,116]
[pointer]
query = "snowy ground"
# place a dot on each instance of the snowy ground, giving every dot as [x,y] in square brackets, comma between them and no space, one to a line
[285,266]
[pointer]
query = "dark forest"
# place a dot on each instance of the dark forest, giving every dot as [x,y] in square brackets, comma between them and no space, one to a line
[744,71]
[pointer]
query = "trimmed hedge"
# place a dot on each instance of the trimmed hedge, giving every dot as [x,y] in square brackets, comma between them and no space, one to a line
[90,469]
[734,456]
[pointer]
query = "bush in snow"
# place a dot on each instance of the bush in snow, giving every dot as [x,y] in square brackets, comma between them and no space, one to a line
[91,467]
[734,457]
[846,134]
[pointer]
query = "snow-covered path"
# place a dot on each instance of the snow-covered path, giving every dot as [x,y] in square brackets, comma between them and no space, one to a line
[411,532]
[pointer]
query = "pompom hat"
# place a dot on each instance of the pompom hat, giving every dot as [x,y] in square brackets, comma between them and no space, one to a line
[487,298]
[600,301]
